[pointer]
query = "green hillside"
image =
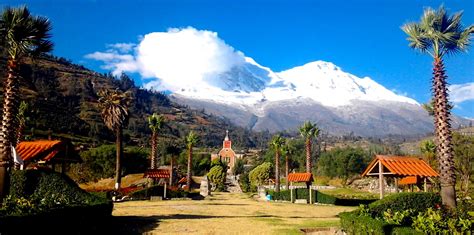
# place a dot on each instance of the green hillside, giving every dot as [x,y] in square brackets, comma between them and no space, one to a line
[62,100]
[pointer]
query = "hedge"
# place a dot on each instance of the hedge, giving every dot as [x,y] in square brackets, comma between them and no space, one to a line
[329,199]
[352,223]
[42,200]
[158,190]
[302,193]
[419,202]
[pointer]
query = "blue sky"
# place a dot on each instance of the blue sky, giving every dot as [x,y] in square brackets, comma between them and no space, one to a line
[361,37]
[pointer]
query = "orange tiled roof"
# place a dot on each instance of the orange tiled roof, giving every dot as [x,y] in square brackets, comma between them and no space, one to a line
[401,166]
[182,180]
[40,150]
[157,174]
[300,177]
[408,180]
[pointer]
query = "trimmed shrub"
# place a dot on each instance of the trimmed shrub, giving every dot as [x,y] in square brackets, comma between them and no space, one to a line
[158,190]
[353,223]
[418,202]
[329,199]
[260,174]
[217,176]
[49,201]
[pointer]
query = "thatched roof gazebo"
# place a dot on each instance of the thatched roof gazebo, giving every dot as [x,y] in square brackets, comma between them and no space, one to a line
[406,168]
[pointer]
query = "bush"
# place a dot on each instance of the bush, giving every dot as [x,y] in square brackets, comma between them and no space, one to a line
[245,183]
[260,174]
[329,199]
[217,176]
[49,200]
[158,190]
[353,223]
[418,202]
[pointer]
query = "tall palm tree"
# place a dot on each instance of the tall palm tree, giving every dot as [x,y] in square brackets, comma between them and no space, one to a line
[277,143]
[21,35]
[191,140]
[155,122]
[287,150]
[114,111]
[309,131]
[439,34]
[21,120]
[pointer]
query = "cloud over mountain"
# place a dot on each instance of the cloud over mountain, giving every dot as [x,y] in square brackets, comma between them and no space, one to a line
[173,58]
[461,92]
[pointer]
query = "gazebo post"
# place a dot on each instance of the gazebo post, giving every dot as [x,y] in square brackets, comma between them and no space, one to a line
[396,184]
[164,194]
[381,179]
[291,192]
[310,196]
[425,186]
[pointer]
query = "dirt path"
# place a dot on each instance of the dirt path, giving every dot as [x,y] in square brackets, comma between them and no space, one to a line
[223,213]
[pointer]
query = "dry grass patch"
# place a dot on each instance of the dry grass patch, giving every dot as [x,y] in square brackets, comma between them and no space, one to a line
[227,213]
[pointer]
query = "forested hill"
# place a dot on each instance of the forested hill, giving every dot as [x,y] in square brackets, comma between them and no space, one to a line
[62,100]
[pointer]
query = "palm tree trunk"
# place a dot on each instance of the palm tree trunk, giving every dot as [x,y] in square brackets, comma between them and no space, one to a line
[171,171]
[286,172]
[277,171]
[443,135]
[10,110]
[153,151]
[308,155]
[190,160]
[118,165]
[19,133]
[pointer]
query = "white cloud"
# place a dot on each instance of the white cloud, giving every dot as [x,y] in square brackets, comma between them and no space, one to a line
[122,47]
[461,92]
[175,59]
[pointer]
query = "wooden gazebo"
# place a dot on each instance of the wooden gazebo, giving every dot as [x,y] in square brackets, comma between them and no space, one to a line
[300,178]
[399,167]
[158,174]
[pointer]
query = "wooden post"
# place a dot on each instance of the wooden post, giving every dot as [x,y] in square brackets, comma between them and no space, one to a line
[425,186]
[381,179]
[291,192]
[396,184]
[310,196]
[164,193]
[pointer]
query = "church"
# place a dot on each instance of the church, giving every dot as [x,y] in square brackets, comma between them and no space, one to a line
[226,154]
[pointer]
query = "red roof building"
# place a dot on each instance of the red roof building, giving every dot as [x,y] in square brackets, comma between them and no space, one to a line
[47,151]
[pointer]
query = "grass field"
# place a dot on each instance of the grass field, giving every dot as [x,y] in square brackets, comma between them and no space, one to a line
[224,213]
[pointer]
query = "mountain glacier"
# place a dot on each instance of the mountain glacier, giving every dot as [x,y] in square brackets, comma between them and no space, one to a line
[254,96]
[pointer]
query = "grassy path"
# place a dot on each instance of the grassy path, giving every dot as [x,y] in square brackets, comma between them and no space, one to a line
[223,213]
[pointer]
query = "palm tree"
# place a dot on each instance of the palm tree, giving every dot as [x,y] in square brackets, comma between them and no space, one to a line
[277,143]
[114,105]
[155,122]
[439,34]
[191,140]
[21,120]
[21,35]
[287,150]
[308,131]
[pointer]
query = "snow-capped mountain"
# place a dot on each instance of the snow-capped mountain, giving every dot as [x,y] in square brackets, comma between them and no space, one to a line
[254,96]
